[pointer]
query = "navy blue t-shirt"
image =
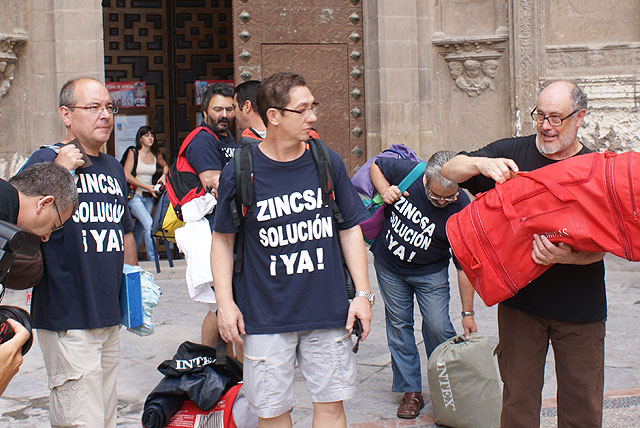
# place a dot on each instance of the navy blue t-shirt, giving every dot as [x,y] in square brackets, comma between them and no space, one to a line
[292,277]
[413,240]
[205,152]
[9,202]
[83,261]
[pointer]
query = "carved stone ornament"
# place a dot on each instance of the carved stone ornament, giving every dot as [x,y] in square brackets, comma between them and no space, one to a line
[245,55]
[244,16]
[473,63]
[356,112]
[10,47]
[355,55]
[357,131]
[356,93]
[354,18]
[244,35]
[246,75]
[355,37]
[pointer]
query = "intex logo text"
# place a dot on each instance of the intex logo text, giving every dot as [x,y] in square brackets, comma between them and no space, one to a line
[445,386]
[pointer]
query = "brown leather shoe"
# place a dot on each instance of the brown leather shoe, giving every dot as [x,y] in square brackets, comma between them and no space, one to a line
[412,403]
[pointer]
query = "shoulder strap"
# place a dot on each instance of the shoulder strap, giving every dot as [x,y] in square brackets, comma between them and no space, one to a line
[243,201]
[400,154]
[322,158]
[192,134]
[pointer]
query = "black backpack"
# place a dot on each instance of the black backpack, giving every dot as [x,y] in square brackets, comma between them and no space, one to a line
[244,199]
[132,188]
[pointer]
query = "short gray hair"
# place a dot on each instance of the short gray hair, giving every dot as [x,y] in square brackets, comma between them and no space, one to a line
[48,178]
[67,95]
[578,97]
[433,172]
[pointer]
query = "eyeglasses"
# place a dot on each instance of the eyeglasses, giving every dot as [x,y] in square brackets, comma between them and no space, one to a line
[57,228]
[305,111]
[553,120]
[219,109]
[98,109]
[439,198]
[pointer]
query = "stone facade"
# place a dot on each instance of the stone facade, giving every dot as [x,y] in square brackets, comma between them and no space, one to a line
[439,74]
[42,45]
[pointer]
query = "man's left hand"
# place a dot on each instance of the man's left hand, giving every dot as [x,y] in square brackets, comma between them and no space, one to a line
[546,252]
[360,308]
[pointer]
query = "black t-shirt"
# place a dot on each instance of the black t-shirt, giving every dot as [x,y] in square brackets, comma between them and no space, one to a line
[9,202]
[572,293]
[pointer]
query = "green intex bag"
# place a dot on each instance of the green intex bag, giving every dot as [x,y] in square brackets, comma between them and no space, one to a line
[464,385]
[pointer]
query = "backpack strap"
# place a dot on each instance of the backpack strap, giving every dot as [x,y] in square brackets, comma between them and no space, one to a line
[320,153]
[400,155]
[243,201]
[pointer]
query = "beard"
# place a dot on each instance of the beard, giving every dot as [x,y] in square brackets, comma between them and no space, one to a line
[222,125]
[562,142]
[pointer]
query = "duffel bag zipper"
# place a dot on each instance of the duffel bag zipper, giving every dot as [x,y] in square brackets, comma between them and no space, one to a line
[489,251]
[633,196]
[615,206]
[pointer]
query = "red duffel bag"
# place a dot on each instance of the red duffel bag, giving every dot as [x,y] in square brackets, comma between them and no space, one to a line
[587,201]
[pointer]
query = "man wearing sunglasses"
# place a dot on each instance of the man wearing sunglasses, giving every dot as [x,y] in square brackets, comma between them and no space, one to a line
[566,305]
[412,255]
[76,306]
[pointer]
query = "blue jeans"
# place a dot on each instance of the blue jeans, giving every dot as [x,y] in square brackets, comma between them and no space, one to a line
[432,293]
[141,208]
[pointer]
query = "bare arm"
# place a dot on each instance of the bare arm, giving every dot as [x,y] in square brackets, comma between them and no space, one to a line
[389,193]
[210,179]
[130,250]
[11,354]
[165,169]
[230,320]
[355,257]
[545,252]
[466,297]
[463,167]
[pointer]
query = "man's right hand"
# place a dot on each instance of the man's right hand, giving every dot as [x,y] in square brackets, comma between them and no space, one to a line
[498,169]
[11,353]
[70,157]
[230,323]
[392,194]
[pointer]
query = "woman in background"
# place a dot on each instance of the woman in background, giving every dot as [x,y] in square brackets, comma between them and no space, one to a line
[140,165]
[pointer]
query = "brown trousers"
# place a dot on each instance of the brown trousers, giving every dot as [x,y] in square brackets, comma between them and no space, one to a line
[579,358]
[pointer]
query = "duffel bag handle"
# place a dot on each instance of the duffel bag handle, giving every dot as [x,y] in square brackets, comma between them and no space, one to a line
[553,187]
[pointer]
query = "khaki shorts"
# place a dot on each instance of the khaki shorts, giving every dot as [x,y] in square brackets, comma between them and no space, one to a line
[325,358]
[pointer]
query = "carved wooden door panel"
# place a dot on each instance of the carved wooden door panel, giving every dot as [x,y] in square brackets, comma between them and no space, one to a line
[321,41]
[169,45]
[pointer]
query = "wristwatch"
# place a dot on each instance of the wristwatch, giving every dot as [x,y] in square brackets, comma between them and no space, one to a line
[369,296]
[468,313]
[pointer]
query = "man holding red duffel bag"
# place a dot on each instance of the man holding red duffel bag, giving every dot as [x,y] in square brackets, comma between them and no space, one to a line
[565,305]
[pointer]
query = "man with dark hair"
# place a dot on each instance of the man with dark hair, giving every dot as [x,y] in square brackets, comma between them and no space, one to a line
[39,199]
[207,152]
[247,116]
[412,255]
[566,305]
[76,306]
[289,302]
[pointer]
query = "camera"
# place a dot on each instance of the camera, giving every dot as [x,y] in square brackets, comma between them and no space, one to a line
[14,240]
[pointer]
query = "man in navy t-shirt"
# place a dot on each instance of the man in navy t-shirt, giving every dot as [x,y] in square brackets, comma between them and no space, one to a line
[412,255]
[208,154]
[75,307]
[289,302]
[247,116]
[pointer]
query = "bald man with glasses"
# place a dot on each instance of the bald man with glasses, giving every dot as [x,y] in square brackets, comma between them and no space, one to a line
[76,307]
[567,304]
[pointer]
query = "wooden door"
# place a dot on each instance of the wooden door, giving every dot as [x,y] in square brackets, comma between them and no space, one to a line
[321,41]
